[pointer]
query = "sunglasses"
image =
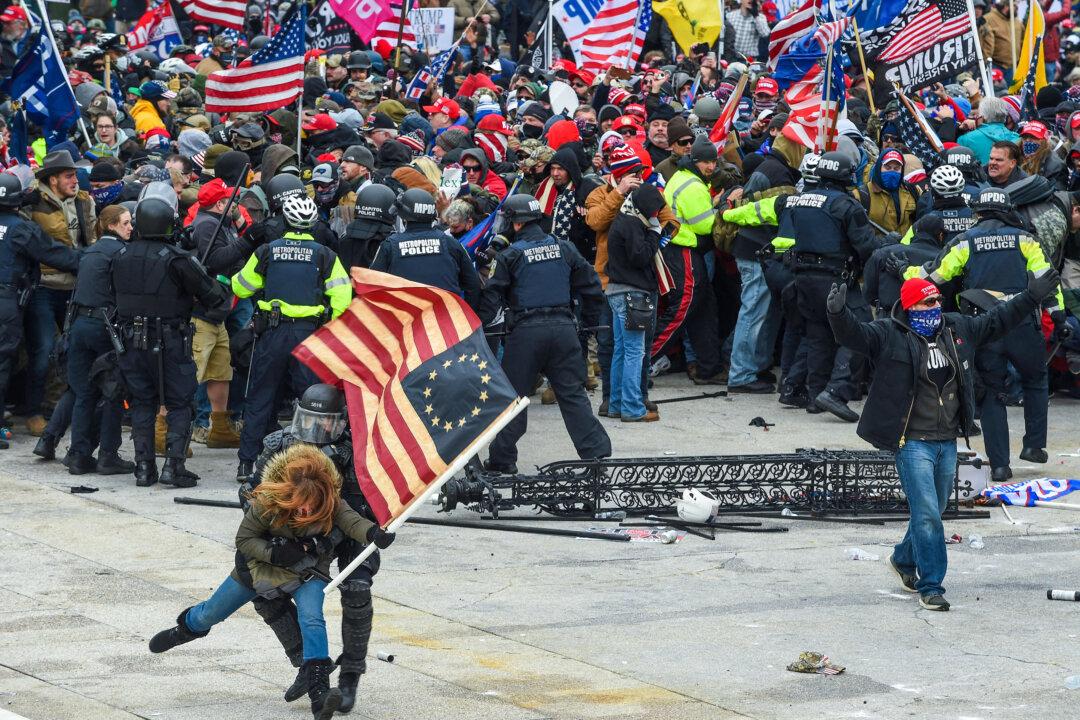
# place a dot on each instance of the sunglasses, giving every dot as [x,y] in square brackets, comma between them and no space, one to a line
[470,168]
[931,302]
[684,142]
[627,131]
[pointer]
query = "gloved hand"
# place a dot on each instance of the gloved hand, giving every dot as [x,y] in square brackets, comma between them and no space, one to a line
[837,300]
[319,545]
[286,552]
[896,264]
[1062,331]
[1041,286]
[380,537]
[891,238]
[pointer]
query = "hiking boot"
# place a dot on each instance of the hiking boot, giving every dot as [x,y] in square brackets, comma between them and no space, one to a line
[602,410]
[934,602]
[81,465]
[790,397]
[325,700]
[113,464]
[299,685]
[649,416]
[650,405]
[1035,455]
[145,473]
[907,580]
[199,433]
[547,397]
[757,387]
[46,447]
[222,434]
[691,370]
[174,473]
[36,425]
[178,635]
[719,378]
[244,470]
[827,401]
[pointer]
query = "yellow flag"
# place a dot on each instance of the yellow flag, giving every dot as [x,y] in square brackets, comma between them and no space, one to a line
[691,21]
[1035,28]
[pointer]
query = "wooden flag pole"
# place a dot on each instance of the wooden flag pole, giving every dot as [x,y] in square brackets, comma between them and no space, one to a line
[108,74]
[1012,36]
[823,139]
[400,33]
[456,467]
[865,69]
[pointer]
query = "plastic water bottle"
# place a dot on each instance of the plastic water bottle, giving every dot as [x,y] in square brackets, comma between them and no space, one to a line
[1072,682]
[976,542]
[669,536]
[610,515]
[860,554]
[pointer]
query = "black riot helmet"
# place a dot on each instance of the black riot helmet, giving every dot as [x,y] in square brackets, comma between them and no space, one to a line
[415,206]
[11,191]
[154,219]
[320,417]
[522,208]
[257,42]
[375,205]
[280,187]
[960,156]
[992,200]
[835,166]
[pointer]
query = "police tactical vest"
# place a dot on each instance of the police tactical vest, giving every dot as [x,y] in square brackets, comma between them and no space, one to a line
[423,255]
[294,272]
[956,220]
[145,287]
[995,261]
[811,218]
[93,284]
[13,265]
[541,275]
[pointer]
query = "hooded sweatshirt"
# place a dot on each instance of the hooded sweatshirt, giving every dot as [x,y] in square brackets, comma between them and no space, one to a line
[893,210]
[488,180]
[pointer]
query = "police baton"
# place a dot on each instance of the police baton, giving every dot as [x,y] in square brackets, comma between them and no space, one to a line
[225,213]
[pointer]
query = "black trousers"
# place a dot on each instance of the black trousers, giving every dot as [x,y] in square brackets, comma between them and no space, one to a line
[11,333]
[828,366]
[691,308]
[93,419]
[551,348]
[172,363]
[1021,347]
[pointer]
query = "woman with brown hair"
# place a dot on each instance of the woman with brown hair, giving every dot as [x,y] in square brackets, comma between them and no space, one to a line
[287,536]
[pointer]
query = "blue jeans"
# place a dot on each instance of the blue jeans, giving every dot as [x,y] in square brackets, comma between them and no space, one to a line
[43,320]
[627,357]
[231,596]
[750,352]
[927,469]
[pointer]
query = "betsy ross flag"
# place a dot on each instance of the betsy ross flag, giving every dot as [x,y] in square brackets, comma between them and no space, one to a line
[270,79]
[605,33]
[1031,492]
[228,13]
[423,389]
[432,71]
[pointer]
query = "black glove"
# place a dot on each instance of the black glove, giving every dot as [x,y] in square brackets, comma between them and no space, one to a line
[837,299]
[285,552]
[891,238]
[1062,331]
[896,264]
[380,537]
[1041,286]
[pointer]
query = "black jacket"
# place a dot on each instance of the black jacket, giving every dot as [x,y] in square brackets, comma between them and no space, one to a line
[881,287]
[631,247]
[896,354]
[225,253]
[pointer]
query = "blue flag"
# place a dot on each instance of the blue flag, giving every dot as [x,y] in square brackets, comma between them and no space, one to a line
[802,59]
[19,139]
[39,82]
[432,71]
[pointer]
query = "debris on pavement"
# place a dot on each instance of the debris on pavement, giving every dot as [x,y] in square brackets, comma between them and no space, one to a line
[83,489]
[860,554]
[815,663]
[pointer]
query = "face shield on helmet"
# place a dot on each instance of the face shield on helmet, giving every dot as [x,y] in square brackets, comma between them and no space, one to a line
[318,428]
[697,506]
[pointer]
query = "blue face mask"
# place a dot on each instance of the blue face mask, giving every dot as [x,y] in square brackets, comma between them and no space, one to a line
[890,179]
[1030,147]
[925,322]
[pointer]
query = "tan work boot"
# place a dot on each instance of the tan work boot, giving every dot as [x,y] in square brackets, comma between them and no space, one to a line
[160,428]
[548,396]
[35,425]
[222,434]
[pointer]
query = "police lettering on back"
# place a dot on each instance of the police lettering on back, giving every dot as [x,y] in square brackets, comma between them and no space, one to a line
[542,253]
[423,246]
[812,200]
[987,243]
[292,253]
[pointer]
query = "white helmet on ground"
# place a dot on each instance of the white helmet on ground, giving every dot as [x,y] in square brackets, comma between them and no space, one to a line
[697,506]
[300,212]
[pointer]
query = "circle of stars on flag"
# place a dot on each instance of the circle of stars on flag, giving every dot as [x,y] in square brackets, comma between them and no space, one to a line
[448,424]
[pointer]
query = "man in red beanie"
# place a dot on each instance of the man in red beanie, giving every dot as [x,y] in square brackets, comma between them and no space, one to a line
[921,399]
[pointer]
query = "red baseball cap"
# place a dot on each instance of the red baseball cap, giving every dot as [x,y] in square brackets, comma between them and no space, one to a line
[496,124]
[13,13]
[767,85]
[446,106]
[915,290]
[627,121]
[1035,129]
[213,192]
[636,110]
[321,122]
[584,76]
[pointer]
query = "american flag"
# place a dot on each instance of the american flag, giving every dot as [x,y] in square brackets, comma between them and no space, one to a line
[917,134]
[810,116]
[722,128]
[424,390]
[388,28]
[791,28]
[920,25]
[828,33]
[1031,492]
[1027,90]
[605,34]
[432,71]
[228,13]
[270,79]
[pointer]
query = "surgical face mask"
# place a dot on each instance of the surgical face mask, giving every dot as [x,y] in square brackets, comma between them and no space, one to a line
[531,132]
[1030,147]
[925,322]
[890,179]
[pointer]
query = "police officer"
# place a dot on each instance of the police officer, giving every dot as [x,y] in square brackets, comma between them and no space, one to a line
[302,284]
[279,189]
[950,202]
[537,279]
[321,419]
[826,235]
[372,225]
[883,273]
[995,257]
[156,286]
[424,254]
[23,245]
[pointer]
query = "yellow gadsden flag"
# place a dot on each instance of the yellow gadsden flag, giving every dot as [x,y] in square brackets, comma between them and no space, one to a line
[1034,30]
[691,21]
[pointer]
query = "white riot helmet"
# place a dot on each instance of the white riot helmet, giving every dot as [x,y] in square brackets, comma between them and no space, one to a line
[697,506]
[300,212]
[808,167]
[947,181]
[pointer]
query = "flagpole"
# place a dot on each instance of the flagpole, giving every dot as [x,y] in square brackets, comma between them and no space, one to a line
[462,460]
[56,53]
[865,69]
[988,86]
[822,128]
[1012,34]
[400,33]
[548,51]
[299,129]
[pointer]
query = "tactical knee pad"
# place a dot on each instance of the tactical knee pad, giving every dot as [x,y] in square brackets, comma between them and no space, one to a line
[280,615]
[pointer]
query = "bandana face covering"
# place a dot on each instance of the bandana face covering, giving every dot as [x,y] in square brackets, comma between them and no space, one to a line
[106,195]
[925,322]
[890,179]
[531,132]
[325,193]
[1030,147]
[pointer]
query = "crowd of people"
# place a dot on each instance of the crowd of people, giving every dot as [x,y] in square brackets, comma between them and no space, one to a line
[171,257]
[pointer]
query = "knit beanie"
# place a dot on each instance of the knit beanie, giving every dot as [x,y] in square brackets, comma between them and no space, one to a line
[678,129]
[915,290]
[1012,105]
[623,161]
[455,137]
[1048,97]
[562,132]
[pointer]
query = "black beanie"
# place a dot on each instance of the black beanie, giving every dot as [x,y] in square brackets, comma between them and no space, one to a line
[1048,97]
[608,112]
[648,200]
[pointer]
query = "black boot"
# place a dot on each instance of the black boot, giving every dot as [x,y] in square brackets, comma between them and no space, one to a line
[113,464]
[178,635]
[174,473]
[145,473]
[280,615]
[356,615]
[325,700]
[81,465]
[46,447]
[347,682]
[244,471]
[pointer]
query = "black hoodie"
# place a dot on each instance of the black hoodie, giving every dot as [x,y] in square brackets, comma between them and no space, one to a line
[583,236]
